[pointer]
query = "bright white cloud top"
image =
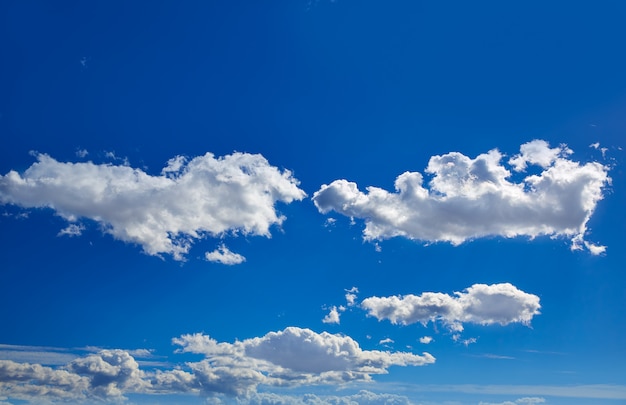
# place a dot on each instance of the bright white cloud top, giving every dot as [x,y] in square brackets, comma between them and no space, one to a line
[480,304]
[164,214]
[292,357]
[473,198]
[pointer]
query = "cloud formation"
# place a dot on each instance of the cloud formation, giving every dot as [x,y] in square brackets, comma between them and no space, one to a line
[107,374]
[332,316]
[520,401]
[164,214]
[425,340]
[223,255]
[480,304]
[289,358]
[473,198]
[363,397]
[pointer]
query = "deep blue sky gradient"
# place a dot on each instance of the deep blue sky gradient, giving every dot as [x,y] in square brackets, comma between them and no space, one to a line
[362,90]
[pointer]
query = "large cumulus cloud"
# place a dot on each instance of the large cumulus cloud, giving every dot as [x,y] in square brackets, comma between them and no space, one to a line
[471,198]
[164,213]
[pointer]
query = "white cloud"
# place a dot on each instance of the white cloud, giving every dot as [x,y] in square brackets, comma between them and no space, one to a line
[596,145]
[82,153]
[72,230]
[234,194]
[539,153]
[351,296]
[110,373]
[595,249]
[385,341]
[520,401]
[290,358]
[473,198]
[464,342]
[223,255]
[107,374]
[363,397]
[426,339]
[480,304]
[332,316]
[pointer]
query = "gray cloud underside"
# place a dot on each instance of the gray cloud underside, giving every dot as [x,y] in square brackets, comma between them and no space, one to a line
[165,213]
[480,304]
[473,198]
[289,358]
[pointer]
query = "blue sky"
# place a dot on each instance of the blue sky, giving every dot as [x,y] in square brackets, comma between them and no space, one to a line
[312,202]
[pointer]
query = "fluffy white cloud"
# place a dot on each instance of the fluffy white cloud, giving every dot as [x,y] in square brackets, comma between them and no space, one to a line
[351,296]
[107,374]
[110,373]
[481,304]
[426,340]
[472,198]
[289,358]
[165,213]
[24,381]
[332,316]
[223,255]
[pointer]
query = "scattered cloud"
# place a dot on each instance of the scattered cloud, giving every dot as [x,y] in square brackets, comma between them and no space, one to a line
[332,316]
[426,339]
[386,341]
[82,153]
[363,397]
[595,249]
[164,214]
[474,198]
[290,358]
[107,374]
[465,342]
[596,146]
[72,230]
[223,255]
[494,356]
[479,304]
[521,401]
[351,296]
